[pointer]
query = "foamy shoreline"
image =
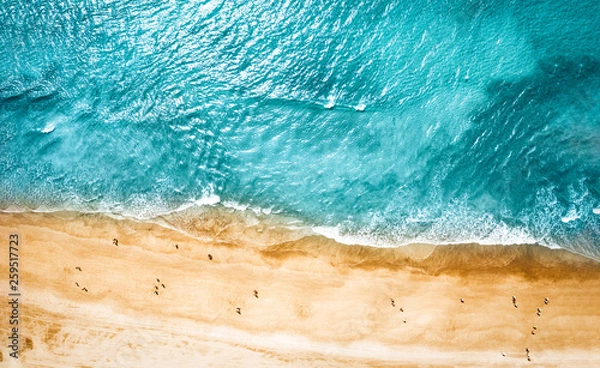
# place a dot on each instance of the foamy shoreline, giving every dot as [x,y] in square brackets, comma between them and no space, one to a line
[319,302]
[239,216]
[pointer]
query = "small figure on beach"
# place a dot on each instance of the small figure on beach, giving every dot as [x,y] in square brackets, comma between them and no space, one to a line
[527,351]
[462,300]
[238,311]
[393,302]
[163,286]
[176,246]
[78,268]
[157,279]
[85,289]
[256,294]
[503,354]
[401,309]
[404,320]
[116,242]
[155,287]
[533,332]
[535,327]
[539,312]
[76,284]
[210,257]
[514,300]
[155,292]
[546,301]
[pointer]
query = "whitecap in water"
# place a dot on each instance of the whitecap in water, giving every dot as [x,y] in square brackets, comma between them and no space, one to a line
[49,128]
[571,216]
[360,107]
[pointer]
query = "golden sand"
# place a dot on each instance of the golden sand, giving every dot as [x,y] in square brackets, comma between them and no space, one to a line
[318,303]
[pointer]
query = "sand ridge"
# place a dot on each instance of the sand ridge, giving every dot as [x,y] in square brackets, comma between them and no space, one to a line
[157,299]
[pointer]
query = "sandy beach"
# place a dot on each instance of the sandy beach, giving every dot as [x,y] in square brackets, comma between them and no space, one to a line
[101,292]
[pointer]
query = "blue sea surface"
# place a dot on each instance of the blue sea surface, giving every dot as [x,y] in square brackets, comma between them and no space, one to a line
[396,121]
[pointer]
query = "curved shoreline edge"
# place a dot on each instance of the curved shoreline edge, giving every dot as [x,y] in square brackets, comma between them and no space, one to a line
[191,221]
[320,302]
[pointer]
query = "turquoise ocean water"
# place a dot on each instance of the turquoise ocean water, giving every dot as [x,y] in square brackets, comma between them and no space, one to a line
[386,121]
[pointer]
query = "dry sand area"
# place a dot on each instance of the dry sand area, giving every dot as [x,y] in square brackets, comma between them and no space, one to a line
[157,300]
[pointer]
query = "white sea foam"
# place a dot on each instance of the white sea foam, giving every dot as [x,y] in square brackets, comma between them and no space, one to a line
[596,211]
[209,200]
[49,128]
[571,216]
[360,107]
[53,122]
[235,205]
[333,232]
[330,103]
[497,234]
[16,208]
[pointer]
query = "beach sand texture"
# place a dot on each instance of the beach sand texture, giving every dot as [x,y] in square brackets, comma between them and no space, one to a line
[156,299]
